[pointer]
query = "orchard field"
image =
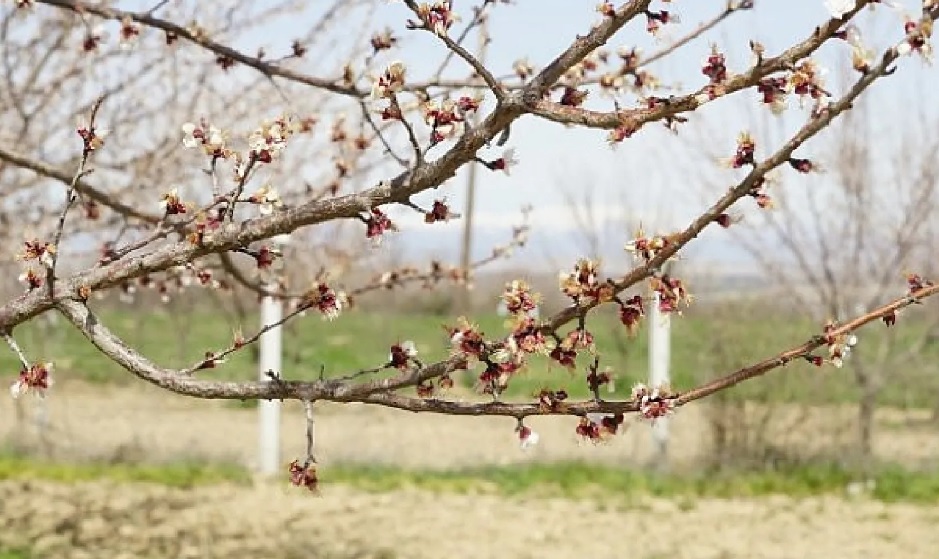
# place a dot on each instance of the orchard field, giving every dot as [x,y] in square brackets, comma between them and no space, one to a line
[106,467]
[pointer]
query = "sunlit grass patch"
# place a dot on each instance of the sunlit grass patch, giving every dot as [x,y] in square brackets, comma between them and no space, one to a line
[175,474]
[580,480]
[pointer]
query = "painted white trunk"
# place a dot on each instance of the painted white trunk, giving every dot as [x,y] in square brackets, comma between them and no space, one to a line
[659,358]
[269,411]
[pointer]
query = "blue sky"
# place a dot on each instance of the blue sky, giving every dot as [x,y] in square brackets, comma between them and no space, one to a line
[655,177]
[637,180]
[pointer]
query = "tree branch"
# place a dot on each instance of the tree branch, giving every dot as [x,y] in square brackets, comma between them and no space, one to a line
[637,117]
[81,186]
[582,46]
[230,236]
[266,68]
[758,173]
[467,56]
[378,392]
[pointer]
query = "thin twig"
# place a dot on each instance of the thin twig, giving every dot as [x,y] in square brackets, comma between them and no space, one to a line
[381,137]
[479,16]
[635,118]
[310,432]
[402,276]
[466,55]
[8,338]
[70,195]
[425,177]
[412,137]
[80,186]
[213,176]
[521,410]
[700,30]
[239,188]
[240,344]
[157,6]
[202,40]
[758,173]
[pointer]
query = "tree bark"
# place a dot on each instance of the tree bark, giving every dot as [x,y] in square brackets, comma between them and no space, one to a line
[867,405]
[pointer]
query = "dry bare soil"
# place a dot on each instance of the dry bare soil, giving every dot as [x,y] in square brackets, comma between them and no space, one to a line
[104,519]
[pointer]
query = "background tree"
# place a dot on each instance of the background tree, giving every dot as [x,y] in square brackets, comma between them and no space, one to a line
[861,219]
[242,182]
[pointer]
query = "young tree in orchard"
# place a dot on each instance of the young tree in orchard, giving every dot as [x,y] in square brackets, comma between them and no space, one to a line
[866,214]
[220,202]
[56,67]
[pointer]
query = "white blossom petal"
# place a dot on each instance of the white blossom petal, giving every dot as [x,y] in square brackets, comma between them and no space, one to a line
[529,441]
[839,8]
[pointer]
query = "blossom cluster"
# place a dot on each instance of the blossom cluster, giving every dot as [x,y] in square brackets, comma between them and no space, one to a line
[323,298]
[36,378]
[448,116]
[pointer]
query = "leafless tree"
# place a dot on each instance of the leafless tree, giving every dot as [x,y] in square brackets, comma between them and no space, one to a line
[416,127]
[865,217]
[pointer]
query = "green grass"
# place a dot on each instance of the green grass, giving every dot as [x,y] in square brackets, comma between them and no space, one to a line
[704,342]
[561,479]
[573,479]
[180,474]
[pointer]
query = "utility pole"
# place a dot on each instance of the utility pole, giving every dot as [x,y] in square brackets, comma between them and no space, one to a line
[464,301]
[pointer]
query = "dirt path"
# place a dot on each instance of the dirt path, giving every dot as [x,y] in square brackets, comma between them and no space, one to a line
[102,521]
[143,423]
